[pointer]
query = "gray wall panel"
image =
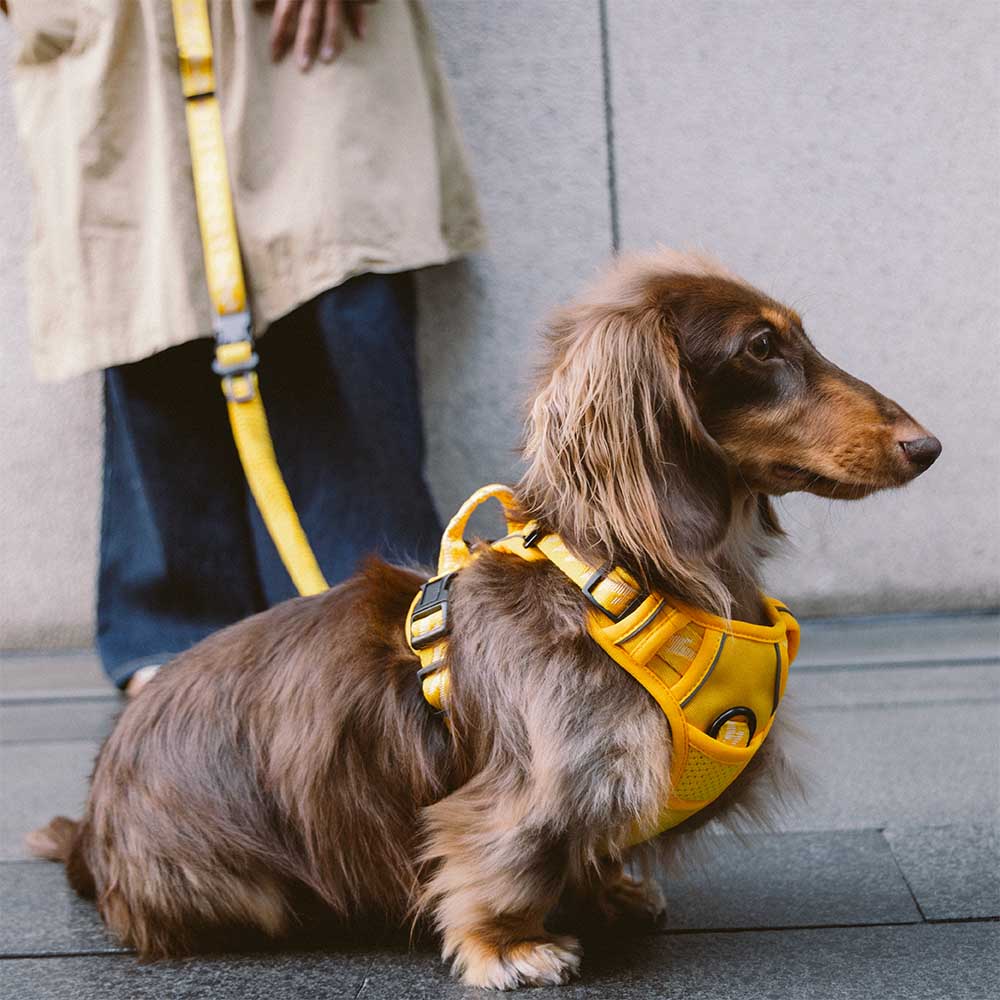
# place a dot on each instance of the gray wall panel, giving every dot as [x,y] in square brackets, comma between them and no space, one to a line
[844,158]
[49,447]
[530,97]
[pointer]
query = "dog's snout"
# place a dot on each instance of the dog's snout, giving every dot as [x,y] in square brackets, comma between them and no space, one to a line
[921,452]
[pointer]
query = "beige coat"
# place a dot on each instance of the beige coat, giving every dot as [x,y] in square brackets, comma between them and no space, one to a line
[351,167]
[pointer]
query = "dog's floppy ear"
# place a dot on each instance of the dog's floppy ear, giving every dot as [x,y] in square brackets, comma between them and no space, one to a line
[619,462]
[767,517]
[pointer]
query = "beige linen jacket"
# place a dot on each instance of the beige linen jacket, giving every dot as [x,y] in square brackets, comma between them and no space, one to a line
[352,167]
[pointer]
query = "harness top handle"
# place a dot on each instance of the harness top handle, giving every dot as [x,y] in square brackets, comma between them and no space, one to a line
[454,551]
[235,360]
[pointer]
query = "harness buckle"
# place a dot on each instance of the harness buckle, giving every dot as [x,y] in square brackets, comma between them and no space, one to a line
[433,598]
[590,586]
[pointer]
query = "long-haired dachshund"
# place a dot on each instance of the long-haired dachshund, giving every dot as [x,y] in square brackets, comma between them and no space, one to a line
[291,759]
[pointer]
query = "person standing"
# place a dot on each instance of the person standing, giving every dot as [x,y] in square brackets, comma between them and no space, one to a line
[347,173]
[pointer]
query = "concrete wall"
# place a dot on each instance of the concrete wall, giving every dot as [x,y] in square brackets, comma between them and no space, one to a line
[841,156]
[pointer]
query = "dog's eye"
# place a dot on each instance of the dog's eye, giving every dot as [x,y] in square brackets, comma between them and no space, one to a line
[760,347]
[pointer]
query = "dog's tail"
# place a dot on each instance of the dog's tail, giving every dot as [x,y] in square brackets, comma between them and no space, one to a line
[65,840]
[55,841]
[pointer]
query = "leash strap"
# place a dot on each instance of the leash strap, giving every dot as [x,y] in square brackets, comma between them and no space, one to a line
[235,359]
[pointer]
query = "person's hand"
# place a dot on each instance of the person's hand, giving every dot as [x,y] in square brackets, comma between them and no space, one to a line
[312,26]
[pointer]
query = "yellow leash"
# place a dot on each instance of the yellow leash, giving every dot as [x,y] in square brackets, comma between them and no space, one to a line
[235,359]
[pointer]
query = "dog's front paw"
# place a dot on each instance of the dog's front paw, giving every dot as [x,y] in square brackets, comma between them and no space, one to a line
[628,900]
[547,961]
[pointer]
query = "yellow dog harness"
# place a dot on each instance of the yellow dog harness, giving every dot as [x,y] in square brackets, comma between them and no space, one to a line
[718,682]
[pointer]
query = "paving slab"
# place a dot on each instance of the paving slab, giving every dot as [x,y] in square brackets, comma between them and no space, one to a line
[891,639]
[953,871]
[781,880]
[884,686]
[43,916]
[51,672]
[37,782]
[246,977]
[875,753]
[790,880]
[873,766]
[60,720]
[932,962]
[927,961]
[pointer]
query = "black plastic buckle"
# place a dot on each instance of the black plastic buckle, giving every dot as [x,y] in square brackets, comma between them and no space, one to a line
[531,539]
[433,597]
[588,592]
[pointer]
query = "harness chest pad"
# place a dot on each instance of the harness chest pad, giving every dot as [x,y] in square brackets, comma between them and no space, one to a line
[718,682]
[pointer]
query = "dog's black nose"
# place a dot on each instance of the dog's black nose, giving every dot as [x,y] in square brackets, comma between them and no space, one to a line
[922,452]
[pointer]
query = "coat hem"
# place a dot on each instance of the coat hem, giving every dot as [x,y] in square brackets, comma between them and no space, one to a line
[51,366]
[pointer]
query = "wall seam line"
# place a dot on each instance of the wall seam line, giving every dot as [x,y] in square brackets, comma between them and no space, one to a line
[609,126]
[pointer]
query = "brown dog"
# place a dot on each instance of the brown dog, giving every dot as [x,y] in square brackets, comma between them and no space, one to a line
[292,756]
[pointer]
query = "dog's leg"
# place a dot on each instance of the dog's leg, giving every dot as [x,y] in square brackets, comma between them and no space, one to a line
[508,842]
[499,872]
[163,910]
[616,897]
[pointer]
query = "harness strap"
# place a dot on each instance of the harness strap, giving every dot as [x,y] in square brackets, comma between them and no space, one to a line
[719,704]
[235,359]
[621,608]
[612,591]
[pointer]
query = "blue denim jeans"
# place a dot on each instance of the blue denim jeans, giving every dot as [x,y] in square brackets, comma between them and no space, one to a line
[183,548]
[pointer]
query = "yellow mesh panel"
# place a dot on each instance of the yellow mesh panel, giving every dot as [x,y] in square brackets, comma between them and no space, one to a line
[704,778]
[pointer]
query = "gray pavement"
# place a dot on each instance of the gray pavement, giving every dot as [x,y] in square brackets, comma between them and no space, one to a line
[883,882]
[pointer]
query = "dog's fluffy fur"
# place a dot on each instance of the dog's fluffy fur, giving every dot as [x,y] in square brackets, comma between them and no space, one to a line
[292,759]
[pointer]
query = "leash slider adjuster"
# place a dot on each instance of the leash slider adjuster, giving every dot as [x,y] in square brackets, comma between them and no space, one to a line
[588,592]
[235,328]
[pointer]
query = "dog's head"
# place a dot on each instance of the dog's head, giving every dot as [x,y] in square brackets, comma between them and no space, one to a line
[676,392]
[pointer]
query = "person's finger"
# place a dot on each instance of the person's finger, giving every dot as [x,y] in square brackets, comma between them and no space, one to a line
[283,22]
[332,36]
[307,36]
[357,20]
